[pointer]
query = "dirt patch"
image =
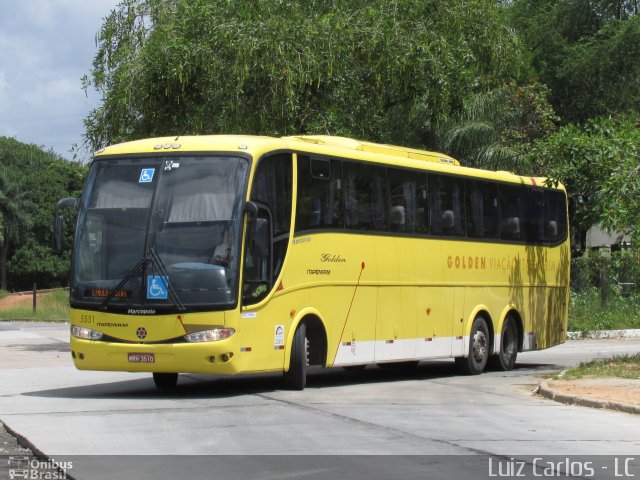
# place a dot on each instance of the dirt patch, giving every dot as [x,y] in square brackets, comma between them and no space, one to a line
[608,390]
[21,300]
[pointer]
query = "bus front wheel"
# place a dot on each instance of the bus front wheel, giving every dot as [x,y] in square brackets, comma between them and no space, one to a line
[296,377]
[478,354]
[506,359]
[165,381]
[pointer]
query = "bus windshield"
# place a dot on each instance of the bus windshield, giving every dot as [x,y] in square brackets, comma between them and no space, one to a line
[160,232]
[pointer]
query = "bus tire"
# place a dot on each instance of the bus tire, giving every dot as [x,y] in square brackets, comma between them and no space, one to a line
[506,359]
[296,377]
[478,353]
[165,381]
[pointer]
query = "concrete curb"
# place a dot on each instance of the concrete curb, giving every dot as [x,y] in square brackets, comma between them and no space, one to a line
[547,391]
[604,334]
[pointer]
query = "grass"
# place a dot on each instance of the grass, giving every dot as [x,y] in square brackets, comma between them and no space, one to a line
[51,307]
[586,312]
[627,367]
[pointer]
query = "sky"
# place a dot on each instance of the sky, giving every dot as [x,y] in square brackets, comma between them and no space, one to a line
[46,46]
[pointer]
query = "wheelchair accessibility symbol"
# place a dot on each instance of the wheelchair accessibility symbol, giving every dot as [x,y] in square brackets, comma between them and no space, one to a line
[146,175]
[157,287]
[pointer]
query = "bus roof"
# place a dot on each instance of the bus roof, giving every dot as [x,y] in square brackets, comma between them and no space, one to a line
[315,144]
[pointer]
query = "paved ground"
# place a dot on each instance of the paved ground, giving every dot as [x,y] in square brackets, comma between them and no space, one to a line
[424,411]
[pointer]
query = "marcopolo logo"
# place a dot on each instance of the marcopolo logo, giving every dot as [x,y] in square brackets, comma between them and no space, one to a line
[141,333]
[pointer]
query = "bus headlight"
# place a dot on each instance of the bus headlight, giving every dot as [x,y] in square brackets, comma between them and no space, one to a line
[210,335]
[85,333]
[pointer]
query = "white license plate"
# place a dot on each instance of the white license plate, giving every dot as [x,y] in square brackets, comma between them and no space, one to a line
[142,358]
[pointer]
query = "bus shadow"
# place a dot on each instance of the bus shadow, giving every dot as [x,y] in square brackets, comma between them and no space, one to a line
[192,386]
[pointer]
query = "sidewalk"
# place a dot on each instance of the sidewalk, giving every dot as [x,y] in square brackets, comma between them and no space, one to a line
[610,393]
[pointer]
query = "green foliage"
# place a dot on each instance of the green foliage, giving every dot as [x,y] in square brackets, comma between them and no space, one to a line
[586,51]
[626,366]
[600,165]
[586,312]
[378,70]
[498,127]
[601,73]
[39,179]
[599,299]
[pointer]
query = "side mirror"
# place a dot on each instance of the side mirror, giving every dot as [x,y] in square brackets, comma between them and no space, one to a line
[58,222]
[252,209]
[261,236]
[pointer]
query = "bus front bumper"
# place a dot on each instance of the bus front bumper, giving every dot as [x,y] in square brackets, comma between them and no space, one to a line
[206,357]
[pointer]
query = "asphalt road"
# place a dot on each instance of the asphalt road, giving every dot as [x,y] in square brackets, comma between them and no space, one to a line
[426,419]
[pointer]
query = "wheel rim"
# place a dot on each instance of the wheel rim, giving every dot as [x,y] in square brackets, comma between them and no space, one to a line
[479,346]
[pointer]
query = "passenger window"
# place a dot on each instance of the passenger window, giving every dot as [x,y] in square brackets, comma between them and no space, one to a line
[512,213]
[446,205]
[536,216]
[319,194]
[408,210]
[557,216]
[482,209]
[365,197]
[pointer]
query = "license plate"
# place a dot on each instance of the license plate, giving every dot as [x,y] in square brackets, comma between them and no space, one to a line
[142,358]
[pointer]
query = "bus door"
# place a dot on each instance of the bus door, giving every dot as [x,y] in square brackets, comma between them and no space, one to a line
[271,195]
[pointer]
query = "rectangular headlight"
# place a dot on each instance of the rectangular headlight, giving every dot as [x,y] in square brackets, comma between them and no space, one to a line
[209,335]
[85,333]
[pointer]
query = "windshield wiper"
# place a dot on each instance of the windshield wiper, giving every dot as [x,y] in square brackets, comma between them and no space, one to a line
[137,268]
[152,257]
[159,264]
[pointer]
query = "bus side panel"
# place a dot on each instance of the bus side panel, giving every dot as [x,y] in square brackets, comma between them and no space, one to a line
[340,274]
[396,315]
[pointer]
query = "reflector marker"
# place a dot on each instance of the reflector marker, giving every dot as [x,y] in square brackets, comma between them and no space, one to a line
[388,341]
[428,339]
[279,347]
[245,349]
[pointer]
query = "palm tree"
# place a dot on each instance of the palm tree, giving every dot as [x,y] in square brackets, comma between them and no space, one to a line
[13,220]
[497,128]
[476,136]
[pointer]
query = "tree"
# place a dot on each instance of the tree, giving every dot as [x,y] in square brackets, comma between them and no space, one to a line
[38,178]
[497,128]
[599,163]
[13,221]
[586,51]
[379,70]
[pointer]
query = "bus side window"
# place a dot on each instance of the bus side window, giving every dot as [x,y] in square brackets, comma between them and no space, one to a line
[556,216]
[365,197]
[482,209]
[319,202]
[512,213]
[536,216]
[446,205]
[408,201]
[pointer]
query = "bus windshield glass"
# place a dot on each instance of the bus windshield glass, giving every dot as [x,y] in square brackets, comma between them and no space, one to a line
[161,233]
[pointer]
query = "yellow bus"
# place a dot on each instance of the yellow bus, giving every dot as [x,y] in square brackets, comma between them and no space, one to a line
[243,254]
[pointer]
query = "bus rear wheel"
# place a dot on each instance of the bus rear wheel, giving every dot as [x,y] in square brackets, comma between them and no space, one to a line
[506,359]
[296,377]
[165,381]
[478,354]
